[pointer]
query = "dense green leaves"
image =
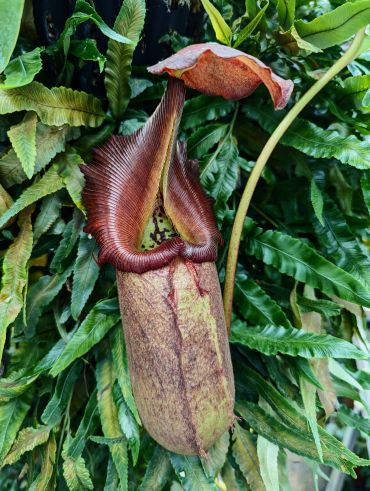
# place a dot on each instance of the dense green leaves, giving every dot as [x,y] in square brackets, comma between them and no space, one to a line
[340,244]
[40,296]
[129,22]
[271,340]
[56,106]
[83,12]
[50,140]
[49,183]
[295,258]
[68,417]
[315,141]
[298,441]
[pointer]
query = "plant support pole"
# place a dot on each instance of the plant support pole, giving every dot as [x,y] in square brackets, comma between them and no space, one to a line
[274,139]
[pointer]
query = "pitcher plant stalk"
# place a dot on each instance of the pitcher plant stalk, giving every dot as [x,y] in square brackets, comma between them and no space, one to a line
[155,225]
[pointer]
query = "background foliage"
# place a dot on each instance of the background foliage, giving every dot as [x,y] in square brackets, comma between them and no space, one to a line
[68,419]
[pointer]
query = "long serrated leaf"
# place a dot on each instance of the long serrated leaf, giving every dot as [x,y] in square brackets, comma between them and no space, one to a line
[317,200]
[53,411]
[27,440]
[295,258]
[313,140]
[336,26]
[286,13]
[268,461]
[48,214]
[298,441]
[251,26]
[76,474]
[308,393]
[14,276]
[120,362]
[256,305]
[86,427]
[112,479]
[11,15]
[205,138]
[231,480]
[349,418]
[102,317]
[49,358]
[85,274]
[56,106]
[109,419]
[220,173]
[10,387]
[23,139]
[12,414]
[323,307]
[71,234]
[334,452]
[50,140]
[245,454]
[128,423]
[222,30]
[271,340]
[190,473]
[340,244]
[69,168]
[204,108]
[47,467]
[5,200]
[49,183]
[157,472]
[129,22]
